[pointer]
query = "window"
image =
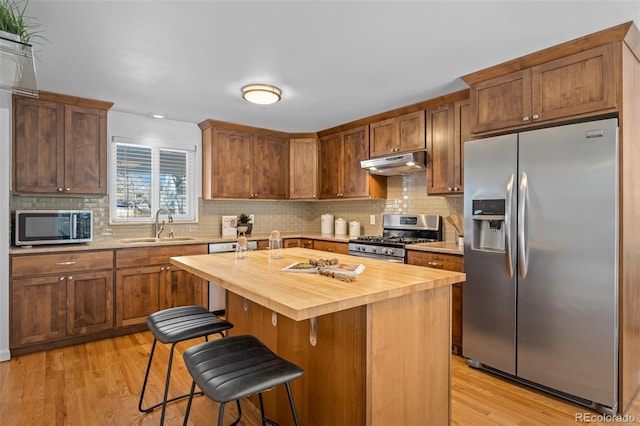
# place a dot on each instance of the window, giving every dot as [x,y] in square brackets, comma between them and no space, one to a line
[146,176]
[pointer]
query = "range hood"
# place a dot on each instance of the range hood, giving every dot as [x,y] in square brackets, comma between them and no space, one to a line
[17,66]
[393,165]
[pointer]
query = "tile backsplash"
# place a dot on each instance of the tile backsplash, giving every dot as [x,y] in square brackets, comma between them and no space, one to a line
[405,194]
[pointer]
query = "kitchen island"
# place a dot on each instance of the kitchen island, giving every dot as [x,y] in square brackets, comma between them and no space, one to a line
[376,351]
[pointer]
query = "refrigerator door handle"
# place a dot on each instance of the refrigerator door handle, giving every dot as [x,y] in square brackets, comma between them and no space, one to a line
[523,255]
[507,227]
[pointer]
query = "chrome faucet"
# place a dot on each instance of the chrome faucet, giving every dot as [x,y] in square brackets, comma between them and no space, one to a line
[160,228]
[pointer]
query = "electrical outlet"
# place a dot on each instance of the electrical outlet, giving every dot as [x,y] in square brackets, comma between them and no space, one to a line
[251,218]
[372,219]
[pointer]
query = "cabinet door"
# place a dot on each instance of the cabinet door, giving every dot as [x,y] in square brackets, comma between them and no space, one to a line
[38,309]
[186,288]
[292,242]
[85,150]
[303,168]
[139,293]
[232,174]
[576,84]
[270,167]
[38,146]
[461,134]
[411,131]
[501,102]
[440,161]
[89,302]
[331,166]
[384,137]
[356,148]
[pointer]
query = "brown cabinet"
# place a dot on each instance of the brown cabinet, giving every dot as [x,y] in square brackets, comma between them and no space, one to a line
[303,168]
[340,173]
[450,262]
[331,246]
[398,134]
[298,242]
[239,162]
[54,296]
[571,86]
[146,282]
[59,145]
[448,129]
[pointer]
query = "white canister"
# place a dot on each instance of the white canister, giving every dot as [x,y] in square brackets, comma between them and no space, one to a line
[354,229]
[341,226]
[326,223]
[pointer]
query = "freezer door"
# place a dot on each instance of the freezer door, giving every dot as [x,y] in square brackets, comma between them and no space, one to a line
[489,293]
[567,301]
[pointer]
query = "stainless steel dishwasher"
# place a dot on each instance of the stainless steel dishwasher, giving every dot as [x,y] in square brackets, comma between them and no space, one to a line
[216,293]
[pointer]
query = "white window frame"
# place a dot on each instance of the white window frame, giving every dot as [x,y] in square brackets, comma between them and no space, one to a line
[156,146]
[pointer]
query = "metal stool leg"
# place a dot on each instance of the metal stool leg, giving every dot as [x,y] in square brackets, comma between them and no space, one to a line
[221,414]
[188,410]
[293,407]
[146,377]
[235,423]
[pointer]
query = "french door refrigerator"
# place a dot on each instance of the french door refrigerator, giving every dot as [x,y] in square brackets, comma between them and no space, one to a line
[541,255]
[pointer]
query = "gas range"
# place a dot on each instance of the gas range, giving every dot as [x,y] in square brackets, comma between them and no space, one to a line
[399,230]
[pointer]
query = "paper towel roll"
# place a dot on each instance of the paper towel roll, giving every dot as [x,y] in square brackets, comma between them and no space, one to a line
[341,226]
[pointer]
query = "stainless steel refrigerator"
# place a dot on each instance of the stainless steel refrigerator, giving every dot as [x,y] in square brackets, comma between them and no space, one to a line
[541,258]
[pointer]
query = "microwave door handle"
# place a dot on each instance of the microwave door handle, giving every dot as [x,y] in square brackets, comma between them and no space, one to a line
[74,226]
[507,227]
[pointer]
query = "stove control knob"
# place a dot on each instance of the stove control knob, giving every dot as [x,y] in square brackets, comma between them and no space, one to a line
[374,249]
[384,250]
[390,251]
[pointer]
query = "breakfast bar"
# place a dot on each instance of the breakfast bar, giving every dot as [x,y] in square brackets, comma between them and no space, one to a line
[376,351]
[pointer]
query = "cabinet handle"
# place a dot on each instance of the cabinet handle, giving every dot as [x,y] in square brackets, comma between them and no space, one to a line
[168,268]
[330,249]
[455,188]
[67,189]
[67,263]
[435,265]
[535,116]
[61,278]
[525,118]
[162,268]
[59,189]
[450,189]
[70,278]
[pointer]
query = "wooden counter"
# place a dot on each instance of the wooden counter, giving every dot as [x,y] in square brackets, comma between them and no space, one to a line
[375,351]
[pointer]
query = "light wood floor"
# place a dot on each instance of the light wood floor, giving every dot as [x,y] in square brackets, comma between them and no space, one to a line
[99,384]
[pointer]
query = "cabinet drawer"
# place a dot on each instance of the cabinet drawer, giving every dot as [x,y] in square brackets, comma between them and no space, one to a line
[450,262]
[332,247]
[28,265]
[156,255]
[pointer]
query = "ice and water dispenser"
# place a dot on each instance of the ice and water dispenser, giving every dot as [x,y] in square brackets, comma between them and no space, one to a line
[488,225]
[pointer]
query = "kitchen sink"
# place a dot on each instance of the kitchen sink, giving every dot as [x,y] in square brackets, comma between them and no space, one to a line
[155,240]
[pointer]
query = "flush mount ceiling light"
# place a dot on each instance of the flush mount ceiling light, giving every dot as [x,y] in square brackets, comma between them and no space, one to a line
[262,94]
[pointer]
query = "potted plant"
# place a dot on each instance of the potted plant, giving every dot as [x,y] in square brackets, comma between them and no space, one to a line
[14,24]
[244,227]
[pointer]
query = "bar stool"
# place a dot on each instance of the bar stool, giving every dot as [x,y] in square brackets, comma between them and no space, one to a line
[173,326]
[235,367]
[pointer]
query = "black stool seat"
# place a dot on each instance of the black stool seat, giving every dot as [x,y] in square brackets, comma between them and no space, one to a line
[172,326]
[235,367]
[185,322]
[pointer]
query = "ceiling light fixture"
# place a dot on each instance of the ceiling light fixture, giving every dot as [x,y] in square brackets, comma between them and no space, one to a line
[158,115]
[261,94]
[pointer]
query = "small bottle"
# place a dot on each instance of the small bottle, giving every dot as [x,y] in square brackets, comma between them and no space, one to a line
[275,245]
[242,250]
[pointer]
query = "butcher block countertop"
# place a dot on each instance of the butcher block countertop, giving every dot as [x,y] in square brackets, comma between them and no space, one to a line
[301,296]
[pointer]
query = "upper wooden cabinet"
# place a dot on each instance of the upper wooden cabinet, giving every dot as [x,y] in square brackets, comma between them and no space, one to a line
[242,162]
[447,130]
[340,173]
[398,134]
[303,168]
[60,145]
[572,86]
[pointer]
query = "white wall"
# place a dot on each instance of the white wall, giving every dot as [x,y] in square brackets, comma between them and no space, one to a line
[5,167]
[178,133]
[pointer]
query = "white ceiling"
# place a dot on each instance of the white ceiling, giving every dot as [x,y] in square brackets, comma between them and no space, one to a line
[335,61]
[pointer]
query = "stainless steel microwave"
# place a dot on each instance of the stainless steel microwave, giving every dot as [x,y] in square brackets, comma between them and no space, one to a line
[53,227]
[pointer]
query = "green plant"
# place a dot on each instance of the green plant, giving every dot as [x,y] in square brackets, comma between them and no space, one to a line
[243,218]
[13,20]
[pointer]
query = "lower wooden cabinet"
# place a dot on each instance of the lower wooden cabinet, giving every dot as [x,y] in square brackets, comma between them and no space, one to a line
[55,296]
[146,282]
[450,262]
[331,246]
[298,242]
